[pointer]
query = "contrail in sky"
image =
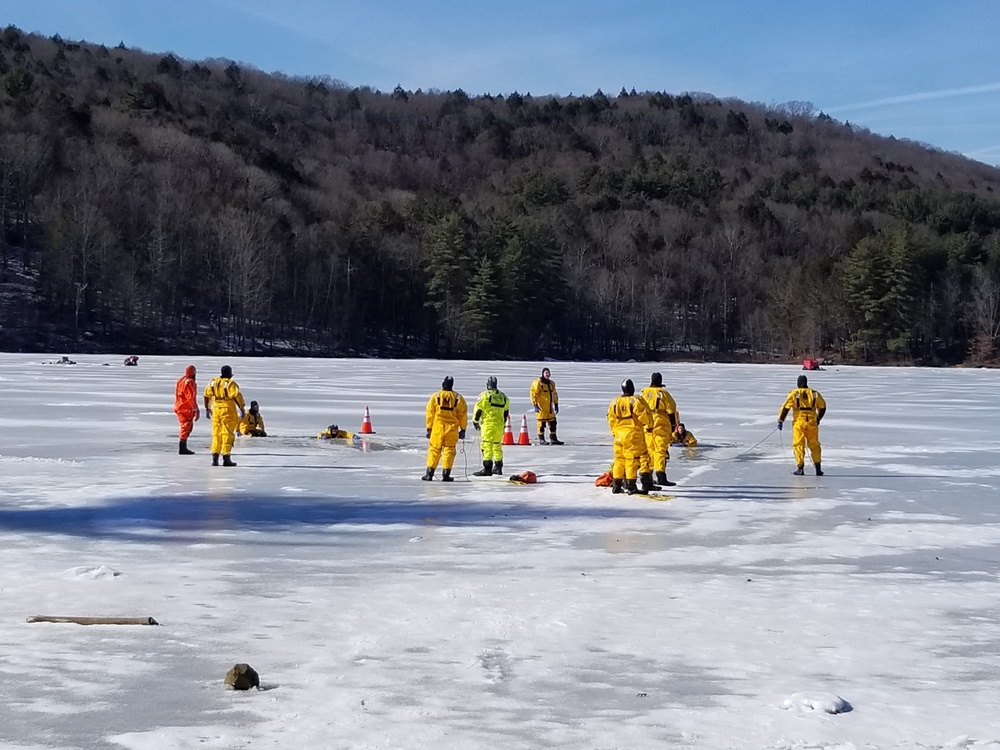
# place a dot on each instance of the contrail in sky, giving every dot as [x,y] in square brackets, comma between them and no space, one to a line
[921,97]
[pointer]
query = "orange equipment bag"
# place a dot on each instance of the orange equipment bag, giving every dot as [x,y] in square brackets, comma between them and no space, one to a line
[604,480]
[525,477]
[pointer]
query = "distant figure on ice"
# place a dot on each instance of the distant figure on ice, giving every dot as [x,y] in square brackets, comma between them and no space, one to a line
[808,408]
[490,416]
[628,418]
[683,437]
[131,361]
[545,399]
[664,410]
[447,418]
[186,407]
[252,423]
[224,405]
[333,432]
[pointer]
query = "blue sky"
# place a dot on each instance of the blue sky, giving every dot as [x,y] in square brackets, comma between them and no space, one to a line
[915,69]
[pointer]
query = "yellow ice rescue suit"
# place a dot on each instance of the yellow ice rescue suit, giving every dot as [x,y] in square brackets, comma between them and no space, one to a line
[446,421]
[808,408]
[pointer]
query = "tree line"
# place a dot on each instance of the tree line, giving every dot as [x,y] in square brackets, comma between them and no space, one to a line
[157,203]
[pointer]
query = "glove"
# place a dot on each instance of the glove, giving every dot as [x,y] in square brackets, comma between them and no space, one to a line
[780,425]
[461,434]
[557,408]
[537,409]
[243,414]
[476,425]
[428,433]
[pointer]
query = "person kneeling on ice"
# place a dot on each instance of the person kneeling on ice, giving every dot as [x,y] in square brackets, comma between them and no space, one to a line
[808,408]
[447,419]
[333,432]
[252,423]
[628,418]
[681,436]
[490,416]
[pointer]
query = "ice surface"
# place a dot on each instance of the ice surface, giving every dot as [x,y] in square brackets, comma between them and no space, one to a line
[386,612]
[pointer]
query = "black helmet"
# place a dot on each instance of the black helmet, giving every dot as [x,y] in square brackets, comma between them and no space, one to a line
[333,428]
[227,371]
[656,379]
[447,383]
[491,383]
[802,382]
[628,388]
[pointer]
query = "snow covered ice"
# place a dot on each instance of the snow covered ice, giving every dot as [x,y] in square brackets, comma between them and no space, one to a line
[386,612]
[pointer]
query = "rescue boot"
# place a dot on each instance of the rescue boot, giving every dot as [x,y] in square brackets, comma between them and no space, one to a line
[183,449]
[541,439]
[819,469]
[429,474]
[215,459]
[799,471]
[498,468]
[554,440]
[616,487]
[646,482]
[446,475]
[228,461]
[661,478]
[632,489]
[486,471]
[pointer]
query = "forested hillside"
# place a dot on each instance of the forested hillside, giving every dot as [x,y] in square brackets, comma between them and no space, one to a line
[159,205]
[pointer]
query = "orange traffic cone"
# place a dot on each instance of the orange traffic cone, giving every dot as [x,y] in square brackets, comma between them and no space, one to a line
[366,425]
[508,434]
[522,438]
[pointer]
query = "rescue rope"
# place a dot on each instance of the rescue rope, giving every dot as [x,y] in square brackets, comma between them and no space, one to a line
[750,450]
[466,457]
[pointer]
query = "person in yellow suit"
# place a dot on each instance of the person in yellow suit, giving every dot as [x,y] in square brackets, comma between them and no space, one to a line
[333,432]
[664,410]
[545,399]
[490,415]
[808,408]
[225,407]
[252,424]
[683,437]
[447,419]
[628,418]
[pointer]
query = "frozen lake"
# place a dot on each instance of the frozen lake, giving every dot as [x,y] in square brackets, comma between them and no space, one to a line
[386,612]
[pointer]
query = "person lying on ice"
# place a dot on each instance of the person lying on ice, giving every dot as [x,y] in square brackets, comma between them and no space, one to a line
[333,432]
[682,437]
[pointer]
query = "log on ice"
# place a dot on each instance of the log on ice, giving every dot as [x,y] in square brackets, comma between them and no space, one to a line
[96,620]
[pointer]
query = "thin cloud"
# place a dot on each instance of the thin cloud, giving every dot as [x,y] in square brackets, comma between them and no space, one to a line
[924,96]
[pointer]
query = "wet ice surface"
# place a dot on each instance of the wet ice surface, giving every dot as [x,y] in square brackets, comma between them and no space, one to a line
[386,612]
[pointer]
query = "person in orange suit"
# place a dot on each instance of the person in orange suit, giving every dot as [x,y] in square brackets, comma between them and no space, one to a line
[186,407]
